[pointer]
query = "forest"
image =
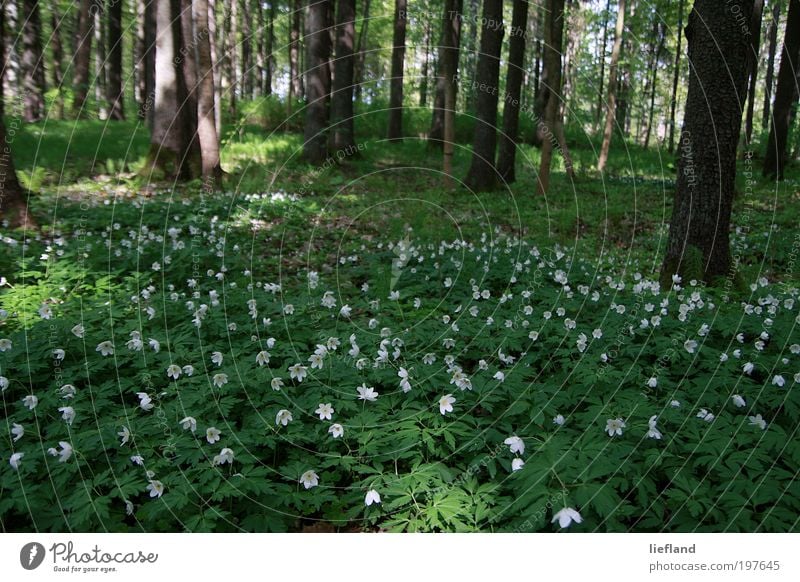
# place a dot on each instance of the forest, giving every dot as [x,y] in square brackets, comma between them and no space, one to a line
[400,266]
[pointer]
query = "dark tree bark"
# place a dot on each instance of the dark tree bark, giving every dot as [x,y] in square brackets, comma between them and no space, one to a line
[213,42]
[426,57]
[57,68]
[786,94]
[752,68]
[83,54]
[342,98]
[188,59]
[482,175]
[246,48]
[554,29]
[398,60]
[449,57]
[145,61]
[295,76]
[447,68]
[318,81]
[32,65]
[269,60]
[507,153]
[676,71]
[231,53]
[661,32]
[361,53]
[99,61]
[603,50]
[114,94]
[613,87]
[206,124]
[171,142]
[772,35]
[698,245]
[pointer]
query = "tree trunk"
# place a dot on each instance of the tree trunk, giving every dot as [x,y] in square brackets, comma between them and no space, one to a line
[654,82]
[448,57]
[554,29]
[613,82]
[99,62]
[213,43]
[295,76]
[114,93]
[752,66]
[342,98]
[482,175]
[698,246]
[171,153]
[232,51]
[246,47]
[773,43]
[188,58]
[11,67]
[32,65]
[83,55]
[603,49]
[426,57]
[206,124]
[398,60]
[318,81]
[269,60]
[361,53]
[507,154]
[786,94]
[675,76]
[57,62]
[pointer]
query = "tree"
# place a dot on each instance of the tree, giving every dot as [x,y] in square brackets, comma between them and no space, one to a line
[554,29]
[773,43]
[603,50]
[361,52]
[447,68]
[398,59]
[114,94]
[318,81]
[482,174]
[83,53]
[661,34]
[676,71]
[449,74]
[206,125]
[506,156]
[752,67]
[32,65]
[146,60]
[342,98]
[171,142]
[786,94]
[295,77]
[269,59]
[698,245]
[57,60]
[613,82]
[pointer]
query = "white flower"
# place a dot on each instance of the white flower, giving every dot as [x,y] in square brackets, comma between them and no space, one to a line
[45,312]
[220,379]
[778,381]
[328,300]
[309,479]
[64,454]
[212,434]
[652,382]
[345,311]
[566,516]
[188,370]
[446,403]
[78,330]
[367,393]
[324,411]
[690,346]
[298,372]
[705,415]
[139,460]
[758,421]
[224,456]
[145,402]
[3,383]
[67,413]
[499,376]
[517,464]
[515,444]
[105,348]
[155,345]
[15,459]
[59,354]
[173,371]
[653,432]
[336,430]
[674,404]
[262,358]
[283,417]
[738,401]
[5,344]
[217,358]
[614,426]
[276,383]
[372,497]
[316,361]
[156,488]
[30,401]
[189,423]
[748,368]
[558,419]
[125,435]
[18,431]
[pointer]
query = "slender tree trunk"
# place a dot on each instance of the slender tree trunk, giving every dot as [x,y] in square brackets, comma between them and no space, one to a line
[654,82]
[786,95]
[11,66]
[206,123]
[698,245]
[295,75]
[246,48]
[448,57]
[213,43]
[361,53]
[114,93]
[398,60]
[232,52]
[269,60]
[613,82]
[507,154]
[603,50]
[99,61]
[261,32]
[83,55]
[58,60]
[426,58]
[318,81]
[32,65]
[752,62]
[342,98]
[148,65]
[675,76]
[188,58]
[482,173]
[554,29]
[773,43]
